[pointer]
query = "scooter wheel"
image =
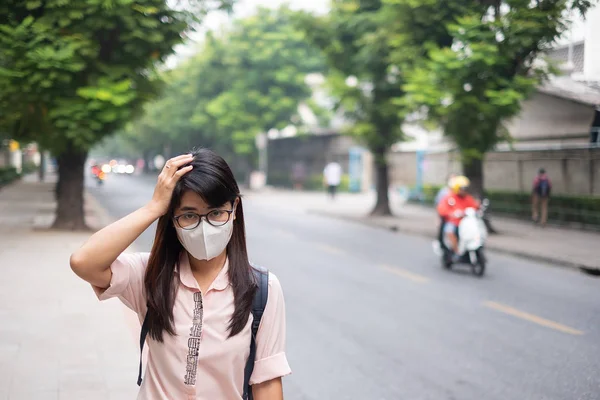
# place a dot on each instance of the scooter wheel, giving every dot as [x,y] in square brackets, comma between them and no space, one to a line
[479,267]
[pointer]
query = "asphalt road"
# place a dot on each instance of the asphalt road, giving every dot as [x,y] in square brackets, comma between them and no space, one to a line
[372,315]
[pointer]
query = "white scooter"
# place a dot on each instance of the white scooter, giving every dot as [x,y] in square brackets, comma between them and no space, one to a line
[472,235]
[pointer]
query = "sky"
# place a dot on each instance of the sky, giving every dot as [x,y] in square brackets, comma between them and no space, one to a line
[243,8]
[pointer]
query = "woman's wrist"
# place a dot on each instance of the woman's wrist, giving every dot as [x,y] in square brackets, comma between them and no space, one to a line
[153,210]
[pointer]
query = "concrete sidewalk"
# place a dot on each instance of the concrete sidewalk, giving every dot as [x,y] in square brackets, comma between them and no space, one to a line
[553,245]
[56,340]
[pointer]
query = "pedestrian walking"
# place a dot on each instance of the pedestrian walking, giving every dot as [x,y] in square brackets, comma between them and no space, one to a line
[542,186]
[215,324]
[332,175]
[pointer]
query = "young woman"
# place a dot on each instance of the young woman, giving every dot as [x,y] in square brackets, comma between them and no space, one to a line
[195,287]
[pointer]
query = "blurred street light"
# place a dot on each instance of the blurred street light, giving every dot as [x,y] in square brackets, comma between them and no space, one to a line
[159,161]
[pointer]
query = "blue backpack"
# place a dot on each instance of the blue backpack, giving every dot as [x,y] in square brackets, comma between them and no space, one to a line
[261,276]
[543,187]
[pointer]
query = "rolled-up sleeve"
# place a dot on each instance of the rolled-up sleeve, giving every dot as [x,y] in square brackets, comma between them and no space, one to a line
[127,281]
[271,361]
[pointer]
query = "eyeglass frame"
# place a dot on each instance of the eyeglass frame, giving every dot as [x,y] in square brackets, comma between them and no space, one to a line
[205,216]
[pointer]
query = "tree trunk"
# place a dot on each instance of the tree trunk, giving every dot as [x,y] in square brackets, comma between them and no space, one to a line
[382,206]
[42,168]
[58,186]
[69,191]
[473,169]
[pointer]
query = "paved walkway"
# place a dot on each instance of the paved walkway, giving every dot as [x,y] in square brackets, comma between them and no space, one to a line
[554,245]
[56,340]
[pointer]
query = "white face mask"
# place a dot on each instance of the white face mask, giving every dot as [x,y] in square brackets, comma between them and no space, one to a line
[206,242]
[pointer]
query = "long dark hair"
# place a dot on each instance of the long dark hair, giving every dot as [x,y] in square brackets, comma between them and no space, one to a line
[212,179]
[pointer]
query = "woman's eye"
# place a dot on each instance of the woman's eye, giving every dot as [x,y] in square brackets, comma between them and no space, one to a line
[216,213]
[189,216]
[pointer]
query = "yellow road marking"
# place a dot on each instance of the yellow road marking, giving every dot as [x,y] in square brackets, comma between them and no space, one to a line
[531,318]
[405,274]
[329,249]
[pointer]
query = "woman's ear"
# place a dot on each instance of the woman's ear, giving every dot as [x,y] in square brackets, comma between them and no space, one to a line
[235,204]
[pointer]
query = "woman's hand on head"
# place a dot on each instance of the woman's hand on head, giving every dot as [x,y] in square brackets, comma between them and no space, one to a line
[167,180]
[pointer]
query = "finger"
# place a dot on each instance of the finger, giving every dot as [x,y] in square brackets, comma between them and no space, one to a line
[182,172]
[178,162]
[179,157]
[173,165]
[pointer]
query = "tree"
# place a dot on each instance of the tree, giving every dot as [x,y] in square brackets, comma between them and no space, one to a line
[472,84]
[266,58]
[362,77]
[72,72]
[241,82]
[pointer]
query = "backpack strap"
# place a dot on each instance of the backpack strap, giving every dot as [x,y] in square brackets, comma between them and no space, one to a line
[143,334]
[261,276]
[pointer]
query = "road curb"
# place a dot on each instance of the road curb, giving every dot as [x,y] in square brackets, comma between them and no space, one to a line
[398,228]
[99,214]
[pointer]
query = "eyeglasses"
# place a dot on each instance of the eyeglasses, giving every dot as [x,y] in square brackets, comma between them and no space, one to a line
[191,220]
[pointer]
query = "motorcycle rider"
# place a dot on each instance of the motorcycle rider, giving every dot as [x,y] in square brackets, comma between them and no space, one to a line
[452,208]
[96,170]
[442,193]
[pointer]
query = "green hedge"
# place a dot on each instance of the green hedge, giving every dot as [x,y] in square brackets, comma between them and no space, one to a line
[313,182]
[8,175]
[28,168]
[562,209]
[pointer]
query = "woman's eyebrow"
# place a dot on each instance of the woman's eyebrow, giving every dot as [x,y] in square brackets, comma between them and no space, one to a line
[191,208]
[188,208]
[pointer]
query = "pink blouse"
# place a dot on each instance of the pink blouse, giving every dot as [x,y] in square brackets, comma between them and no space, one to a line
[201,362]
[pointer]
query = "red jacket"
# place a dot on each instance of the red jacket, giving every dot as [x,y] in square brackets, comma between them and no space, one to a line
[453,202]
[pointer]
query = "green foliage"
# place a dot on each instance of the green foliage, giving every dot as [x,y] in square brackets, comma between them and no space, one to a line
[8,175]
[240,83]
[352,38]
[28,168]
[476,80]
[323,114]
[72,72]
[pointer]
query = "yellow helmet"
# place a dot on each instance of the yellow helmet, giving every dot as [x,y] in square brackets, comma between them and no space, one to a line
[458,183]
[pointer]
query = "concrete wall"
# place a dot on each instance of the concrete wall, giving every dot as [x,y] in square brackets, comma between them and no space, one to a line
[572,171]
[544,118]
[313,150]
